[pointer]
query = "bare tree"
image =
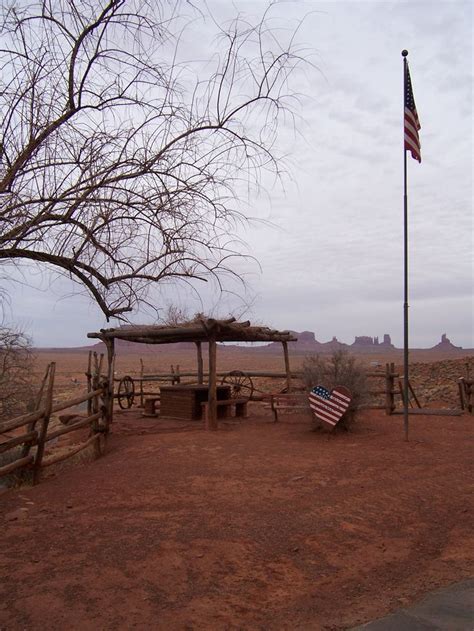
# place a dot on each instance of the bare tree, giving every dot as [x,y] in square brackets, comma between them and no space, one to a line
[16,363]
[120,161]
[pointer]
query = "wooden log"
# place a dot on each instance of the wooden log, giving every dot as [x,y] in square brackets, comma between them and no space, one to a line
[109,393]
[18,464]
[21,420]
[29,437]
[431,412]
[402,393]
[148,332]
[44,425]
[295,374]
[71,428]
[76,401]
[100,365]
[287,366]
[47,462]
[32,426]
[151,405]
[389,400]
[89,382]
[373,374]
[211,421]
[461,392]
[142,371]
[413,394]
[370,406]
[200,366]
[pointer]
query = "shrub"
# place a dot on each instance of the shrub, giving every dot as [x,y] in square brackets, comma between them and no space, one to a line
[338,369]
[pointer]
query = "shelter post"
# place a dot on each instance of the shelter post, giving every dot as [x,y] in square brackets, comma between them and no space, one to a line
[142,372]
[212,397]
[109,397]
[200,363]
[287,365]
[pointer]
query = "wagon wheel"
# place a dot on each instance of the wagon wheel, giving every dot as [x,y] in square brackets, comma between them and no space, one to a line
[241,386]
[126,392]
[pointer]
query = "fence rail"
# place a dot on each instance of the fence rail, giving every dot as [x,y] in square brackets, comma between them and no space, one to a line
[386,389]
[37,432]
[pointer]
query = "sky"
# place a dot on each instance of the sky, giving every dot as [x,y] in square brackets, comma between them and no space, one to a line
[329,243]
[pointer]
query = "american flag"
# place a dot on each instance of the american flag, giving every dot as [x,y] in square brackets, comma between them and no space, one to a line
[329,407]
[412,123]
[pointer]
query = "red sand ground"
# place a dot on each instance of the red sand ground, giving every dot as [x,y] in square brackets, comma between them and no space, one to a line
[256,526]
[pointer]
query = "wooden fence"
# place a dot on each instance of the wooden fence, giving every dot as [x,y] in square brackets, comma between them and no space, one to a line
[384,385]
[35,426]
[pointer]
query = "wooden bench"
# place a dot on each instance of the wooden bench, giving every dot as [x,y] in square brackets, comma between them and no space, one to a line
[286,402]
[150,406]
[225,405]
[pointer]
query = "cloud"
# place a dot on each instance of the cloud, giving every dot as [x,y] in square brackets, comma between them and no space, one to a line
[332,261]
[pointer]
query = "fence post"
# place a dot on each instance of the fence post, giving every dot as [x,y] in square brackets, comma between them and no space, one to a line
[93,404]
[389,396]
[31,427]
[142,372]
[89,382]
[44,427]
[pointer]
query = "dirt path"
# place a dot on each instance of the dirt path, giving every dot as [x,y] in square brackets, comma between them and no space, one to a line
[256,526]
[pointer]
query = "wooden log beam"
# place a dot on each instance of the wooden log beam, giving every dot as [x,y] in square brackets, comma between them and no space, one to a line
[211,420]
[220,373]
[89,382]
[431,412]
[47,462]
[142,372]
[28,438]
[369,406]
[18,464]
[21,420]
[71,428]
[108,396]
[389,382]
[44,425]
[200,365]
[76,401]
[287,365]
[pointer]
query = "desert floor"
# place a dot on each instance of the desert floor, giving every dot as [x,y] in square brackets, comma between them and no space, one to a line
[259,525]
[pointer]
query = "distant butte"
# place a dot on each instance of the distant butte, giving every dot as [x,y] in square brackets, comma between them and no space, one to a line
[445,345]
[307,342]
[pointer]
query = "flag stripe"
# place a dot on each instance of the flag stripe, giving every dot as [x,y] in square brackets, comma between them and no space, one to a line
[412,122]
[334,407]
[326,413]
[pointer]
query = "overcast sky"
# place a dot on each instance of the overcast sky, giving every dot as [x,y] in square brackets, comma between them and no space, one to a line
[331,252]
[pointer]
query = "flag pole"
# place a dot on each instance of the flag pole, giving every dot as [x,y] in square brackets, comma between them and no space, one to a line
[405,261]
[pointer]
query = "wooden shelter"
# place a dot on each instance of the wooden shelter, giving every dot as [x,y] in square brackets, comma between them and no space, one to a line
[200,330]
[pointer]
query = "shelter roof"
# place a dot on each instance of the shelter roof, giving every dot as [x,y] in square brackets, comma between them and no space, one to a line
[200,329]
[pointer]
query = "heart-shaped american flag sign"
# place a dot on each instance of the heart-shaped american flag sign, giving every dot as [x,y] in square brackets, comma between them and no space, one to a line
[329,407]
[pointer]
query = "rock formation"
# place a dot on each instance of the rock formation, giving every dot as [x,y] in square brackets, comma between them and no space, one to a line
[445,345]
